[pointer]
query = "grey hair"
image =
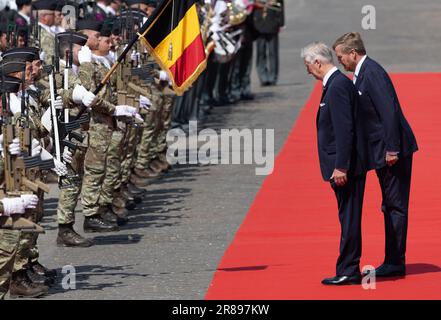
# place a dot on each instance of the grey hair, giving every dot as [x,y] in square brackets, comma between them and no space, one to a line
[317,51]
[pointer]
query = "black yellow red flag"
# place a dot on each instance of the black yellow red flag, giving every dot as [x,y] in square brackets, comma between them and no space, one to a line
[173,36]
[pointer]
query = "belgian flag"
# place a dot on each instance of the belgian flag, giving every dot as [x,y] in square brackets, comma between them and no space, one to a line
[173,36]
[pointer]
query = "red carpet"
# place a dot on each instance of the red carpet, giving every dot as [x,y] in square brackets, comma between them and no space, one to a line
[289,239]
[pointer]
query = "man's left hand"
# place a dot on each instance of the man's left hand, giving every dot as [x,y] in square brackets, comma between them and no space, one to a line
[340,177]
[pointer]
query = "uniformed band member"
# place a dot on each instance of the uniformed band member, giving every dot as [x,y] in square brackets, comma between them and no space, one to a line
[268,18]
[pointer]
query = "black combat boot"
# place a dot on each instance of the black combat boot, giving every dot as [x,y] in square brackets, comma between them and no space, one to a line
[96,223]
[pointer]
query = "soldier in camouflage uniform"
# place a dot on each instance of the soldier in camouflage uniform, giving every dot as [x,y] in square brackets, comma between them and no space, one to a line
[68,198]
[46,16]
[100,133]
[11,240]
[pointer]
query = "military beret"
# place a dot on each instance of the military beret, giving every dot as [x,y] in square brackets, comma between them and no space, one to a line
[9,84]
[72,36]
[23,2]
[133,2]
[106,30]
[44,5]
[152,3]
[21,54]
[8,67]
[89,24]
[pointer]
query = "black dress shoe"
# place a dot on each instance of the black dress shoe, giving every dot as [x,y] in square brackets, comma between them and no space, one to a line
[342,280]
[97,224]
[389,270]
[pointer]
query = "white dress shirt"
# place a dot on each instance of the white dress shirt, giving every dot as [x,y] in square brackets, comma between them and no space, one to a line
[328,75]
[358,68]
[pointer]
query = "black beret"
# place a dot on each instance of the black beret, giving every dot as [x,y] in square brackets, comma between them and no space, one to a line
[21,54]
[72,36]
[23,2]
[7,67]
[132,2]
[152,3]
[89,24]
[44,5]
[9,84]
[106,30]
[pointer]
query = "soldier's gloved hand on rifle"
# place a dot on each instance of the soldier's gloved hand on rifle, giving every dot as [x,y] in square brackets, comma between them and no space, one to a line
[84,55]
[14,147]
[144,102]
[12,206]
[36,147]
[163,76]
[58,103]
[81,95]
[60,168]
[17,205]
[30,201]
[127,111]
[67,156]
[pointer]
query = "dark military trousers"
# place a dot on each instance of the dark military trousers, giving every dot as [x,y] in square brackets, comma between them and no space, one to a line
[267,61]
[241,76]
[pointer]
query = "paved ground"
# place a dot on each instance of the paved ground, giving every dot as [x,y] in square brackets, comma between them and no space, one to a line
[174,242]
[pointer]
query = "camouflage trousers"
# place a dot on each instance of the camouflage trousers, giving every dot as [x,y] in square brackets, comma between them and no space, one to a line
[166,118]
[68,198]
[8,249]
[27,246]
[145,149]
[112,177]
[130,143]
[100,137]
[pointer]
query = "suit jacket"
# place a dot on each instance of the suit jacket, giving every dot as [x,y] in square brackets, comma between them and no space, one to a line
[380,117]
[336,131]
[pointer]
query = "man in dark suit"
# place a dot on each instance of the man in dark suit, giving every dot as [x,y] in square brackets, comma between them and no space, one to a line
[390,147]
[338,154]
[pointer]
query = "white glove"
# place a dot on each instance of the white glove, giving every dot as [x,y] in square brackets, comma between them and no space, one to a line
[60,168]
[30,201]
[81,95]
[144,102]
[67,156]
[84,55]
[14,147]
[163,76]
[124,111]
[138,117]
[36,147]
[58,103]
[13,206]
